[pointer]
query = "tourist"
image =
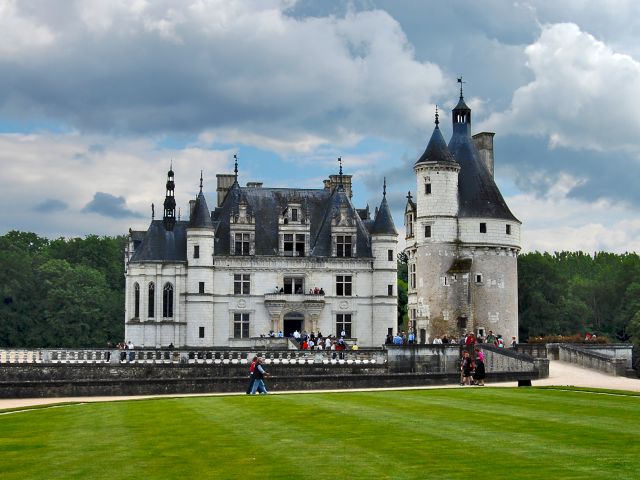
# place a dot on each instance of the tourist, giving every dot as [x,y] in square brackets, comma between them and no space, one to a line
[131,353]
[280,334]
[479,372]
[296,334]
[343,333]
[499,342]
[491,338]
[327,343]
[397,340]
[412,337]
[437,341]
[465,369]
[514,343]
[258,378]
[321,291]
[251,369]
[445,339]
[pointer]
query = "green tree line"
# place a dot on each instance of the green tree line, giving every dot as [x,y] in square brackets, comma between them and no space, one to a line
[70,292]
[61,293]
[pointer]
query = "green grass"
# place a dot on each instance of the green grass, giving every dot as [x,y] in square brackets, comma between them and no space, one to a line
[456,433]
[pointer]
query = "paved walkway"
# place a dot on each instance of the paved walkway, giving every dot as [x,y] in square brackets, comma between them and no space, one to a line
[560,374]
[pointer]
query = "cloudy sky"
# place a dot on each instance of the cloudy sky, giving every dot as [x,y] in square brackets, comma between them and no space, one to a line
[97,97]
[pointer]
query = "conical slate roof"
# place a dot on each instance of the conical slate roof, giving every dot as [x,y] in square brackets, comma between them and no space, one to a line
[437,150]
[201,216]
[383,223]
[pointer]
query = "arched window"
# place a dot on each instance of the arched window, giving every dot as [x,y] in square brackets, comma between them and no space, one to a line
[136,300]
[167,301]
[152,300]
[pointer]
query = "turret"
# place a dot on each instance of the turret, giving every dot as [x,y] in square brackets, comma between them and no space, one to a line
[169,217]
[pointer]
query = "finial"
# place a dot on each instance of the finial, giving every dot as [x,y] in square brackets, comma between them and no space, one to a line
[437,120]
[153,211]
[235,170]
[178,213]
[409,197]
[460,82]
[340,162]
[384,187]
[200,181]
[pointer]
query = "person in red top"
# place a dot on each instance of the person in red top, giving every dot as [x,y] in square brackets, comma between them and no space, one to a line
[470,340]
[251,369]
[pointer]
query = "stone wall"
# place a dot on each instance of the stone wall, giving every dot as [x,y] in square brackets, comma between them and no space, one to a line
[591,359]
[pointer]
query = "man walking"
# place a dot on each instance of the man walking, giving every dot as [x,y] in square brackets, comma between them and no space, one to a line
[258,378]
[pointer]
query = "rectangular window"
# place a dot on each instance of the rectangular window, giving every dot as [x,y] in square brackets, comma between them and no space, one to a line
[201,332]
[288,244]
[427,188]
[390,290]
[241,246]
[412,277]
[300,244]
[294,214]
[427,231]
[200,287]
[343,285]
[343,324]
[343,246]
[483,227]
[241,284]
[390,255]
[294,285]
[240,325]
[478,278]
[196,251]
[508,229]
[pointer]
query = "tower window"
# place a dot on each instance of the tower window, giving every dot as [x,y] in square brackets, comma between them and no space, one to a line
[136,294]
[241,284]
[483,227]
[200,287]
[390,255]
[201,332]
[412,277]
[508,229]
[478,278]
[390,290]
[240,325]
[427,231]
[196,251]
[343,285]
[427,188]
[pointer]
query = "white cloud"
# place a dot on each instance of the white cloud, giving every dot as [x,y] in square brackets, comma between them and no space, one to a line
[583,96]
[19,33]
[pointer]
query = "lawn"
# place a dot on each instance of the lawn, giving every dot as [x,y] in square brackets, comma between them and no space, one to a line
[484,433]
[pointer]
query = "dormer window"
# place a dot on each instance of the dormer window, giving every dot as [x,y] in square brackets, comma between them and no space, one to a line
[242,243]
[343,245]
[294,214]
[294,244]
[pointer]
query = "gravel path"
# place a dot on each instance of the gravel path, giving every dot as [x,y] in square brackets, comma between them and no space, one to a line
[560,374]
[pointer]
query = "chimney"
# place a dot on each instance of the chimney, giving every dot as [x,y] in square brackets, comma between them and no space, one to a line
[334,181]
[192,206]
[484,144]
[225,181]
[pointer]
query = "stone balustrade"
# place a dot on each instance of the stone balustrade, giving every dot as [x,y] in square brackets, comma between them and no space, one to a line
[190,356]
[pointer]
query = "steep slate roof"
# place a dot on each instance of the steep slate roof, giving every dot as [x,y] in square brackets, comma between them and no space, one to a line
[383,223]
[436,150]
[267,204]
[478,194]
[201,216]
[162,245]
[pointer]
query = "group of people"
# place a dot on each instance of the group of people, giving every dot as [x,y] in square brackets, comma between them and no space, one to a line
[299,291]
[401,338]
[472,370]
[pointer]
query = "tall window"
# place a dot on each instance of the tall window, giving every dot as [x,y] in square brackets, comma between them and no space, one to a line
[152,301]
[240,325]
[390,290]
[136,301]
[508,229]
[410,225]
[201,332]
[242,241]
[294,243]
[427,188]
[167,301]
[343,324]
[241,284]
[412,276]
[294,285]
[343,246]
[483,227]
[294,214]
[200,287]
[427,231]
[343,285]
[390,255]
[196,251]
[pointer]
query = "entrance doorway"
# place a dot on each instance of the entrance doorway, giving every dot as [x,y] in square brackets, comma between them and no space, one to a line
[292,321]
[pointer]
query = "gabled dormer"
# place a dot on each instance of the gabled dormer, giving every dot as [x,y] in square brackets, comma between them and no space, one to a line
[409,216]
[294,229]
[242,229]
[343,230]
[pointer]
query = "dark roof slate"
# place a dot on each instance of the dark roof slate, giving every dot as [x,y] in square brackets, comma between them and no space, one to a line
[162,245]
[201,216]
[383,223]
[437,150]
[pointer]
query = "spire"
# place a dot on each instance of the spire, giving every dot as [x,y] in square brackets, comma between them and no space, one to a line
[461,115]
[341,184]
[200,181]
[153,211]
[169,218]
[409,197]
[461,82]
[235,169]
[384,187]
[383,222]
[437,119]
